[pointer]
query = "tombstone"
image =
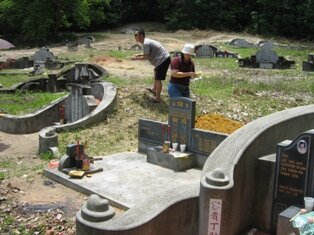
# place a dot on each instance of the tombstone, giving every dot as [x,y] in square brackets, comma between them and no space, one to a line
[181,120]
[205,51]
[179,129]
[242,43]
[79,103]
[310,58]
[43,54]
[68,162]
[86,41]
[309,64]
[266,57]
[82,74]
[294,177]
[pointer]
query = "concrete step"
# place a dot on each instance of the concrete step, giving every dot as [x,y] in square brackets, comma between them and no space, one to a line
[175,160]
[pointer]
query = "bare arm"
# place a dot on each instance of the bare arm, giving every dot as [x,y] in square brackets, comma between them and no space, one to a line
[177,74]
[139,57]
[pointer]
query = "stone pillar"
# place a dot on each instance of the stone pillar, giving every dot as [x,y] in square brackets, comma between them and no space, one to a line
[76,103]
[52,79]
[47,138]
[81,72]
[214,204]
[95,210]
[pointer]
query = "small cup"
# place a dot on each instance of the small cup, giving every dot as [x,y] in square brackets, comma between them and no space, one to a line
[182,148]
[308,203]
[174,146]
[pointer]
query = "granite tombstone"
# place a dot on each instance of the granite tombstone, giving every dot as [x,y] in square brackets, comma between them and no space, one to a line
[294,177]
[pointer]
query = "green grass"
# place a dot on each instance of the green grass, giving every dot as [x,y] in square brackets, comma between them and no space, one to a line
[7,220]
[121,54]
[5,166]
[12,168]
[223,82]
[87,53]
[242,52]
[21,103]
[8,80]
[216,63]
[222,87]
[125,82]
[214,87]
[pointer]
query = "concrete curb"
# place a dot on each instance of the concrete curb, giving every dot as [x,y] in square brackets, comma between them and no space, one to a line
[106,92]
[30,123]
[144,215]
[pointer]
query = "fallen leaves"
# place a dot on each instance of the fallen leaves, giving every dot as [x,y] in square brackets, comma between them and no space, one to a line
[15,219]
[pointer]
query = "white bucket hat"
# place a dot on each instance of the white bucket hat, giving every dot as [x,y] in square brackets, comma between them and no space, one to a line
[188,49]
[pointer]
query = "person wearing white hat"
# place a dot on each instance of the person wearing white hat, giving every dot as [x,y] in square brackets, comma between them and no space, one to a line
[182,70]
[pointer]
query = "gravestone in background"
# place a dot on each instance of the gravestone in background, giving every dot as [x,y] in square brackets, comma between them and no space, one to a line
[86,40]
[294,173]
[266,57]
[82,73]
[242,43]
[309,64]
[43,55]
[205,51]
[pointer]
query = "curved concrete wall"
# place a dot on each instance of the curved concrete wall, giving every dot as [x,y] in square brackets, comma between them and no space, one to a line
[236,159]
[47,116]
[30,123]
[173,212]
[104,91]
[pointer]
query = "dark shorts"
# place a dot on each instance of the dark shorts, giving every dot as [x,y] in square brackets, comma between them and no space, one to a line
[161,70]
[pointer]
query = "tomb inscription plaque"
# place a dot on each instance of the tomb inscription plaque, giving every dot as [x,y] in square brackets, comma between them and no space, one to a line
[294,173]
[181,119]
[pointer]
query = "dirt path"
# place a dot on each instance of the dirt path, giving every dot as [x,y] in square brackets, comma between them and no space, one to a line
[28,193]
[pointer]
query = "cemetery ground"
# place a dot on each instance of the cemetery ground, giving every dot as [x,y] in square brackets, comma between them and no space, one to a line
[32,204]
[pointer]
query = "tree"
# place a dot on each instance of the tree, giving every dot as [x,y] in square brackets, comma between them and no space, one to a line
[41,21]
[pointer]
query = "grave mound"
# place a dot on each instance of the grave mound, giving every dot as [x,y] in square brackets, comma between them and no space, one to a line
[218,123]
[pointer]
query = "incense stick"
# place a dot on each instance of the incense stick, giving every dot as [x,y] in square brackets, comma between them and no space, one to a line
[295,216]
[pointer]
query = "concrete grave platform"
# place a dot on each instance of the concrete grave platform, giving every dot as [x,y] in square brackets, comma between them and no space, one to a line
[127,179]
